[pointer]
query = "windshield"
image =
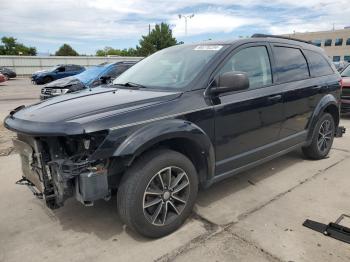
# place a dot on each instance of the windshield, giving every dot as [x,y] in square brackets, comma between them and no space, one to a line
[170,68]
[346,72]
[90,74]
[51,69]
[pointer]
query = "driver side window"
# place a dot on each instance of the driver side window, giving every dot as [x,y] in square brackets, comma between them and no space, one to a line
[61,69]
[255,62]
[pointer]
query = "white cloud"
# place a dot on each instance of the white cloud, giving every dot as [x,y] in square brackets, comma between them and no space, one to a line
[82,20]
[204,23]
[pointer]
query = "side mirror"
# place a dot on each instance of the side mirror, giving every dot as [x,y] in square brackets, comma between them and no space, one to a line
[105,79]
[231,81]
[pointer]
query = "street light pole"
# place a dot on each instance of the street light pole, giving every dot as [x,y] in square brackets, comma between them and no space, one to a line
[186,17]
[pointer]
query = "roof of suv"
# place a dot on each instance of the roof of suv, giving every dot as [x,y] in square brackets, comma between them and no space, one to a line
[266,38]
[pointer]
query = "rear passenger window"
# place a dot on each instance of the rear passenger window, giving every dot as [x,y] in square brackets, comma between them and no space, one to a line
[318,64]
[291,64]
[69,68]
[255,62]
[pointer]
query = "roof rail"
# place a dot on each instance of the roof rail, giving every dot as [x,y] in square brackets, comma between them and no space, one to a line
[281,37]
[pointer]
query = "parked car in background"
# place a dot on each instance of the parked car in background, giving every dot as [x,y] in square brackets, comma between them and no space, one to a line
[2,78]
[8,73]
[181,119]
[56,72]
[341,65]
[91,77]
[345,95]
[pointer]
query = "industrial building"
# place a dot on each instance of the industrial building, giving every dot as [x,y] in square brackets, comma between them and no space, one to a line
[336,43]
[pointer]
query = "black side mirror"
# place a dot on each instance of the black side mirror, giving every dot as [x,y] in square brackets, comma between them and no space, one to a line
[231,81]
[105,79]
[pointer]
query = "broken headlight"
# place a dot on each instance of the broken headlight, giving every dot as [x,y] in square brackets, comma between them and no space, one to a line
[83,145]
[59,91]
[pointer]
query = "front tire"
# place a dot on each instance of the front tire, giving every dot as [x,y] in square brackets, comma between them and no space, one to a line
[47,79]
[322,138]
[157,193]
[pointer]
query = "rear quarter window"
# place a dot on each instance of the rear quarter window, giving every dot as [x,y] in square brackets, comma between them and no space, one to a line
[291,64]
[318,64]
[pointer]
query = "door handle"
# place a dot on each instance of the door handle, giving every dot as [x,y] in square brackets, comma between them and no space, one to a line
[275,98]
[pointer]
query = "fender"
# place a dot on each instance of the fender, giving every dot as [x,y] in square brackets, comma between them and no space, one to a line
[325,102]
[151,134]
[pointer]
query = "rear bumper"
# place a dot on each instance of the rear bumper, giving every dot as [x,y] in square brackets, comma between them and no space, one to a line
[345,105]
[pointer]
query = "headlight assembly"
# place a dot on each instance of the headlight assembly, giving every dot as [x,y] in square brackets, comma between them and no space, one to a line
[59,91]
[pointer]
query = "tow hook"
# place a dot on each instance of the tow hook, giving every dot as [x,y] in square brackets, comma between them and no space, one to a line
[340,131]
[25,182]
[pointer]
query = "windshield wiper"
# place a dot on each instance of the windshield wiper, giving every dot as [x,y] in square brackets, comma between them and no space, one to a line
[131,85]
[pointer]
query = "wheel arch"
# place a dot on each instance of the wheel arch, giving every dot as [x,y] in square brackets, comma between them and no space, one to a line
[328,104]
[178,135]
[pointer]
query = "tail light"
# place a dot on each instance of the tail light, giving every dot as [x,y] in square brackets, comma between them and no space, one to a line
[341,83]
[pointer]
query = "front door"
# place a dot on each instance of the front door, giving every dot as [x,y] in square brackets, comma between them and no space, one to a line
[247,122]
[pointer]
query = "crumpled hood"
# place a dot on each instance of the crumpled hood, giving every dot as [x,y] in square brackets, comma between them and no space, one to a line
[64,83]
[76,111]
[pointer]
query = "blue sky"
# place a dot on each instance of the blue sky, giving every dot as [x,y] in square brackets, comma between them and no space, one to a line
[89,25]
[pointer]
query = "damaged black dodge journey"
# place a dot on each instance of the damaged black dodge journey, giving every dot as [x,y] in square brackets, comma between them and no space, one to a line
[181,119]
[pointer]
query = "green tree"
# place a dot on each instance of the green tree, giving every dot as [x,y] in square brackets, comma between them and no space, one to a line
[66,50]
[120,52]
[160,37]
[10,46]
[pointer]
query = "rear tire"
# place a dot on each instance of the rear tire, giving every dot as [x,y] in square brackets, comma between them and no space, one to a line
[322,138]
[151,203]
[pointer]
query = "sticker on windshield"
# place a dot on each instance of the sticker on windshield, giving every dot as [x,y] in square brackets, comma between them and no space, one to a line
[208,47]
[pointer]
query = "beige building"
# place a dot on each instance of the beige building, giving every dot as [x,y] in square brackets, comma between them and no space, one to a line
[336,43]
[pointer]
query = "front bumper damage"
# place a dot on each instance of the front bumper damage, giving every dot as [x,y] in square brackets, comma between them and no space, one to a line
[55,177]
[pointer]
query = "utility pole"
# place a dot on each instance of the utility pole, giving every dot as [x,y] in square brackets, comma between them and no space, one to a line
[149,29]
[186,17]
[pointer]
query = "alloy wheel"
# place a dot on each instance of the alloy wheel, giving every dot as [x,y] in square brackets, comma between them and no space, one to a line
[325,135]
[166,196]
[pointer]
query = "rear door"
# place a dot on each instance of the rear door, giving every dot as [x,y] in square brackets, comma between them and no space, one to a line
[247,123]
[299,91]
[302,90]
[72,70]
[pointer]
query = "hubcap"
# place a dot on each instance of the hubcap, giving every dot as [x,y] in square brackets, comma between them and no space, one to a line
[166,196]
[325,135]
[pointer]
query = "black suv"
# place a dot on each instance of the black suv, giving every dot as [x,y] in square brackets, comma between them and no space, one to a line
[182,118]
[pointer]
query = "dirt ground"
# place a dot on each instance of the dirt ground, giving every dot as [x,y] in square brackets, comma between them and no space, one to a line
[254,216]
